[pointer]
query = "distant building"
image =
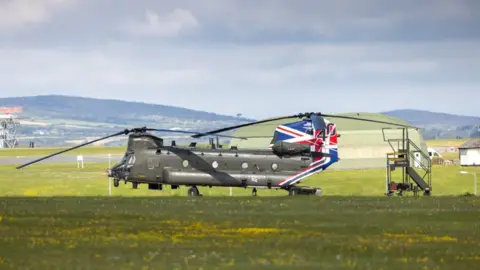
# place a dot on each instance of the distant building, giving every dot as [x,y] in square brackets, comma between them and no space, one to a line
[432,152]
[470,152]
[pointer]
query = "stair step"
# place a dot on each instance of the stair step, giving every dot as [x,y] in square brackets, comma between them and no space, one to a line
[397,159]
[396,153]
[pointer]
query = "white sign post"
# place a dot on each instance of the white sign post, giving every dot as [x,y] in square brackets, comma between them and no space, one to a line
[109,179]
[79,161]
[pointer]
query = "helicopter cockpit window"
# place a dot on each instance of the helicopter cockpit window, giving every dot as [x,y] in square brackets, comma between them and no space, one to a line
[275,137]
[131,160]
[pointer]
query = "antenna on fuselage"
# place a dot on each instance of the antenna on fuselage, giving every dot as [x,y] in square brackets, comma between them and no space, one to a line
[212,143]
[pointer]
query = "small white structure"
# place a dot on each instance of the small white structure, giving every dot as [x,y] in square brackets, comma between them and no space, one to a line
[80,161]
[432,152]
[418,160]
[470,153]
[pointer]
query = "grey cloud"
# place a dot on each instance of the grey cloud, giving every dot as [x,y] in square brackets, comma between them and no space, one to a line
[253,55]
[162,25]
[262,76]
[267,20]
[17,13]
[327,19]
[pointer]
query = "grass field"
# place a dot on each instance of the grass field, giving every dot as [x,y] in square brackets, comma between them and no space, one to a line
[446,142]
[240,233]
[65,179]
[59,216]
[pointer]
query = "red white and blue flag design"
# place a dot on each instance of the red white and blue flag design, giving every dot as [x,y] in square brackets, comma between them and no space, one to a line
[324,149]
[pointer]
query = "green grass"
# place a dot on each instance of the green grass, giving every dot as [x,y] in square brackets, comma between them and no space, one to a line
[240,233]
[45,179]
[452,156]
[445,142]
[143,229]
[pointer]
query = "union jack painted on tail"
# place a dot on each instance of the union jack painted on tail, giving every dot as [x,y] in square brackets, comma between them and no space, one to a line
[324,147]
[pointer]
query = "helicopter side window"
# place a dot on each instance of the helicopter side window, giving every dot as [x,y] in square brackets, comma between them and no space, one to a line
[151,163]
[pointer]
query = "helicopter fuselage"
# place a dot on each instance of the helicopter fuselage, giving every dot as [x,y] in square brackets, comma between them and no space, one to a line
[209,167]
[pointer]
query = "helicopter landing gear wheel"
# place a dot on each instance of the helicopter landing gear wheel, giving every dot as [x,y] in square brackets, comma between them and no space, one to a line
[254,192]
[135,185]
[116,182]
[193,191]
[293,191]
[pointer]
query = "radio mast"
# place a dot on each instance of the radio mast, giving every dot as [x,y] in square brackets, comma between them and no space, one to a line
[8,126]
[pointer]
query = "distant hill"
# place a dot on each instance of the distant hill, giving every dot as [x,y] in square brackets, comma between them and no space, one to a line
[437,125]
[104,110]
[57,119]
[422,118]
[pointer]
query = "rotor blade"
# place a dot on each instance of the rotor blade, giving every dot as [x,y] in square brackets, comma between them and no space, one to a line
[368,120]
[198,135]
[72,148]
[192,132]
[311,115]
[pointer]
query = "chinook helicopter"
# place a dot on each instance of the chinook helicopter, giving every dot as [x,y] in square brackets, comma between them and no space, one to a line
[298,150]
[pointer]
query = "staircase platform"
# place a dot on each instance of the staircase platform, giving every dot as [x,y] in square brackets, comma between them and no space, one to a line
[412,163]
[417,179]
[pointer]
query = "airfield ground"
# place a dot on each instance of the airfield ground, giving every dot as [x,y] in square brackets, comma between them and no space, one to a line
[240,233]
[353,226]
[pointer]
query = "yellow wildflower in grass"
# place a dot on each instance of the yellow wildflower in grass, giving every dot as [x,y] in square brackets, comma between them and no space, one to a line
[410,238]
[171,222]
[440,239]
[30,193]
[250,231]
[397,235]
[411,259]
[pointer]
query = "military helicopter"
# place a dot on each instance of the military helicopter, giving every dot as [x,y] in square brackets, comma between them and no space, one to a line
[298,150]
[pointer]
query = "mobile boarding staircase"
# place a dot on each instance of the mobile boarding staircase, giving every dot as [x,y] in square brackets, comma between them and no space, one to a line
[415,165]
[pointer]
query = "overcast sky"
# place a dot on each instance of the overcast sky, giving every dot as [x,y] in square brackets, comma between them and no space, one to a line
[256,57]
